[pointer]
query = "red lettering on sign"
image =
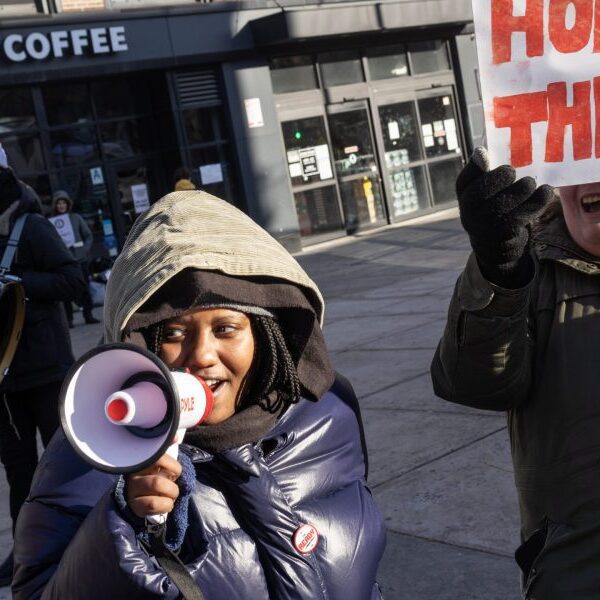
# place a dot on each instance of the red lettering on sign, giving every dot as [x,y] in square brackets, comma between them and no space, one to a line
[519,112]
[187,404]
[579,116]
[504,24]
[574,39]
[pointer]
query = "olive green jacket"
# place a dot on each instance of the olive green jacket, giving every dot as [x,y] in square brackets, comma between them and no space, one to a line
[535,353]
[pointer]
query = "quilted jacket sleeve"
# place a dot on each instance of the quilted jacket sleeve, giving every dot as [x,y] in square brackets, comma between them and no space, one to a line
[72,542]
[485,356]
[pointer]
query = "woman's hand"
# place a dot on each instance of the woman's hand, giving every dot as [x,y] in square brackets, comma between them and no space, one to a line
[153,490]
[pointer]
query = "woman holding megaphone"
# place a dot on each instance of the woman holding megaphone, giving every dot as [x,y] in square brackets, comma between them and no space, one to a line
[266,498]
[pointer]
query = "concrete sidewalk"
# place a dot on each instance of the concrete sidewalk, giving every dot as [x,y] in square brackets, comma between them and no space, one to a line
[440,473]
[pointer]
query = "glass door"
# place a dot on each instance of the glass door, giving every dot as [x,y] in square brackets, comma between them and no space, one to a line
[356,166]
[422,145]
[440,133]
[403,158]
[312,178]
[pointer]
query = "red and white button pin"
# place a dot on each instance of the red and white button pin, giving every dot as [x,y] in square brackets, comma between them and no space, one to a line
[306,539]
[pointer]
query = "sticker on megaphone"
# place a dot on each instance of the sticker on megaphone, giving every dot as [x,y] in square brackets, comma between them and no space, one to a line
[121,408]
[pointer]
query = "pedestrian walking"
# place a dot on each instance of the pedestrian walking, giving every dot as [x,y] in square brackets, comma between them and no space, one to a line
[79,241]
[268,496]
[522,336]
[29,392]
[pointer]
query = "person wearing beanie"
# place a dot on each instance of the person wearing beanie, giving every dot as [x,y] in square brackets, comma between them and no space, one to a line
[80,248]
[183,180]
[184,185]
[29,391]
[268,496]
[522,337]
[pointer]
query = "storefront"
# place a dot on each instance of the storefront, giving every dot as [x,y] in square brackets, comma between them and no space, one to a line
[313,135]
[382,142]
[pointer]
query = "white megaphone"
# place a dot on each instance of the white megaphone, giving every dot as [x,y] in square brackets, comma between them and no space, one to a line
[121,408]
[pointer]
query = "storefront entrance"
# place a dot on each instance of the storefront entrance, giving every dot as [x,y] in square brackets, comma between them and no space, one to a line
[371,136]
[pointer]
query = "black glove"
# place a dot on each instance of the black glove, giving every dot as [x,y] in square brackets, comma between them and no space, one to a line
[495,210]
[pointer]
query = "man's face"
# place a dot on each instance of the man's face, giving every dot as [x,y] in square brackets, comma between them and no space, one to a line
[581,208]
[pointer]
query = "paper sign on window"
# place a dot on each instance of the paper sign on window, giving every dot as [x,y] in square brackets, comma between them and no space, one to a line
[141,200]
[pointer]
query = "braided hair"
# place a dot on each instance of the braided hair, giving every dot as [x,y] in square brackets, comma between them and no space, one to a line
[273,383]
[275,378]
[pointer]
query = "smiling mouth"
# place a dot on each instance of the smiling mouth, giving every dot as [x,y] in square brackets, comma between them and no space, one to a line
[591,203]
[214,384]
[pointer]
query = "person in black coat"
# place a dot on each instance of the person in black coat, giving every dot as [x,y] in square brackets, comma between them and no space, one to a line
[29,392]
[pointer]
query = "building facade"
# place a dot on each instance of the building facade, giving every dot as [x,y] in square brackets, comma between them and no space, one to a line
[318,120]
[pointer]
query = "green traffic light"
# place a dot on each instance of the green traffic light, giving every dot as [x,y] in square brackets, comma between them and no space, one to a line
[298,135]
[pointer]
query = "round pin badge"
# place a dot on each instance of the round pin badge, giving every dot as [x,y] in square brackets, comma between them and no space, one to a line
[306,539]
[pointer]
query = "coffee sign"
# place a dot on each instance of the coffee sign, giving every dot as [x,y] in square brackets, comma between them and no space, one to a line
[17,47]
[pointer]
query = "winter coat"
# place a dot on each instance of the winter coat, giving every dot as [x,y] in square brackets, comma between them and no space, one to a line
[83,237]
[74,538]
[50,275]
[533,352]
[73,542]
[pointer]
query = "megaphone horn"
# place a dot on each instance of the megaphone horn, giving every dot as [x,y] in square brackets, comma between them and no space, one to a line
[121,408]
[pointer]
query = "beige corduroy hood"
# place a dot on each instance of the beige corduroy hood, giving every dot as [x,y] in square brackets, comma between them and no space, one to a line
[193,229]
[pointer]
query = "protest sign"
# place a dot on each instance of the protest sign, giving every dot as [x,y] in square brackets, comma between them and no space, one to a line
[540,77]
[63,225]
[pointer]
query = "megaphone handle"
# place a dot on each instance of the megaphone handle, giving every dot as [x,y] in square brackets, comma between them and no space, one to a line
[173,452]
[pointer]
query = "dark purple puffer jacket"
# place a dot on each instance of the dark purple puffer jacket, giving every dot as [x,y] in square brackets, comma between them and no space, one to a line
[73,542]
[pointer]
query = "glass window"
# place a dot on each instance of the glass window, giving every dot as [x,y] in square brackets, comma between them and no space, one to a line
[24,153]
[307,150]
[120,139]
[113,98]
[427,57]
[408,189]
[387,62]
[400,135]
[66,104]
[293,74]
[318,211]
[443,176]
[439,126]
[16,109]
[90,198]
[41,185]
[352,142]
[340,68]
[210,171]
[74,146]
[198,125]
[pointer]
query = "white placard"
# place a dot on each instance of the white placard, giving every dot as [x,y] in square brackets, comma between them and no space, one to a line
[254,113]
[63,225]
[393,130]
[452,140]
[539,79]
[295,169]
[141,200]
[212,173]
[323,162]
